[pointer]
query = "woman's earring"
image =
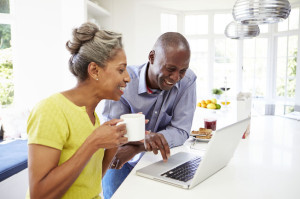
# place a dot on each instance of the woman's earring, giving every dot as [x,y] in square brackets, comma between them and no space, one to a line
[97,79]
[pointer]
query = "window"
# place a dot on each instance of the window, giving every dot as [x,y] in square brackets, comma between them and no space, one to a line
[286,66]
[266,65]
[221,21]
[263,28]
[168,23]
[6,66]
[292,23]
[4,6]
[199,63]
[196,24]
[255,66]
[287,49]
[211,74]
[225,64]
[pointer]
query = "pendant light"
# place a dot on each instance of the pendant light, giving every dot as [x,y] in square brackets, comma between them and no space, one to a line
[261,11]
[237,30]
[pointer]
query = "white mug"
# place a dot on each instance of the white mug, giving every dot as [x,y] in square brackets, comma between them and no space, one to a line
[135,126]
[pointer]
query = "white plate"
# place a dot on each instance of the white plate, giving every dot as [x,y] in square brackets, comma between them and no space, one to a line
[200,139]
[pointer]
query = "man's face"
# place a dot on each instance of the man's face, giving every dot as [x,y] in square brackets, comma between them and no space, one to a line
[169,67]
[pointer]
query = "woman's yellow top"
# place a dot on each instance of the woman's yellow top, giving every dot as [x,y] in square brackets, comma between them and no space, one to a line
[58,123]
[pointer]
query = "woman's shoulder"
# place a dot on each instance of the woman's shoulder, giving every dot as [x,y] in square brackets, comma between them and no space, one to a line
[49,104]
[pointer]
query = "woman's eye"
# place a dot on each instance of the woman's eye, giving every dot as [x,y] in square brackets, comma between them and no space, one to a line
[121,71]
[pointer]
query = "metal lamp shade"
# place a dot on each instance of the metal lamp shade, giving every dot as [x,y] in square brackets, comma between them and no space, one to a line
[236,30]
[261,11]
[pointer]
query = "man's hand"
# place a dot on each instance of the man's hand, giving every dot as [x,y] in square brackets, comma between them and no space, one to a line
[155,142]
[124,154]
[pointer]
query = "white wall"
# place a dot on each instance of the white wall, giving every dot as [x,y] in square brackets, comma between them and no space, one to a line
[40,63]
[139,24]
[148,23]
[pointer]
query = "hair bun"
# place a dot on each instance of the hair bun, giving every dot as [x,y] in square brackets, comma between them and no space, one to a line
[82,34]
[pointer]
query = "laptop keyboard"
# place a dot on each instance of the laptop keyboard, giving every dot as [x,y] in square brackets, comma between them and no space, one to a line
[185,171]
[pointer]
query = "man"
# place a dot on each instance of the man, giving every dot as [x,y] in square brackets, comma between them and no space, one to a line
[164,89]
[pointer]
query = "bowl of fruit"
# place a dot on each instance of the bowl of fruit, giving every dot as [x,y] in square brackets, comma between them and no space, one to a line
[209,104]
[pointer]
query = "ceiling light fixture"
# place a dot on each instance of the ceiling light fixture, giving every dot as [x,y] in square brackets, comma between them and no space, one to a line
[261,11]
[236,30]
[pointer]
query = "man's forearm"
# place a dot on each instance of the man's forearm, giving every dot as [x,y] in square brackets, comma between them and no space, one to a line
[138,145]
[108,156]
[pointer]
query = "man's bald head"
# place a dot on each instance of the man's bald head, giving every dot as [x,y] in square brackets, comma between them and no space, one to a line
[171,40]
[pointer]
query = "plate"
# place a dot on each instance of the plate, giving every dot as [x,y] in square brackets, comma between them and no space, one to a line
[200,139]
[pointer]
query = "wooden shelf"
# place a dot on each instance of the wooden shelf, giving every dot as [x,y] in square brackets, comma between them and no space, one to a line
[95,10]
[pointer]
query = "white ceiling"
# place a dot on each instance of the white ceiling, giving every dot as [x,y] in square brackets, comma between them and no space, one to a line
[190,5]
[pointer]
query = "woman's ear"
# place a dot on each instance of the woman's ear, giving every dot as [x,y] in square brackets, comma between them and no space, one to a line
[93,71]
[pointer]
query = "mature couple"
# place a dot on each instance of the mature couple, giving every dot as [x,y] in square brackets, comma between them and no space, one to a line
[66,141]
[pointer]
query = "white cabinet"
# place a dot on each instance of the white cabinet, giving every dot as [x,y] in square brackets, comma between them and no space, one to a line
[96,13]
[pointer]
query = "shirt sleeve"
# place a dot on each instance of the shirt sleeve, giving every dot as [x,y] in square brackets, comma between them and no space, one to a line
[177,132]
[114,109]
[47,126]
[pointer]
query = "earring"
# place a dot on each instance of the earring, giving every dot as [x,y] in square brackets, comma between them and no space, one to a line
[97,79]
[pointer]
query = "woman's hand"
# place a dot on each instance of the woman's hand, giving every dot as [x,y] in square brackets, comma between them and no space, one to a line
[109,135]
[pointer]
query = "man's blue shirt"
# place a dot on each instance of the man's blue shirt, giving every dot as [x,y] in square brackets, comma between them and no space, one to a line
[169,112]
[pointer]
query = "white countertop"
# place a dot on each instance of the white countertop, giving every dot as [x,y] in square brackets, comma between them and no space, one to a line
[265,165]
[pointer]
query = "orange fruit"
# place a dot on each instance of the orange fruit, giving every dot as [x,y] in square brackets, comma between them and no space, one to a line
[208,101]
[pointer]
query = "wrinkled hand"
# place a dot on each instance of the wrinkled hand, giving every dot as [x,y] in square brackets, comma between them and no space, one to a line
[108,135]
[124,154]
[155,142]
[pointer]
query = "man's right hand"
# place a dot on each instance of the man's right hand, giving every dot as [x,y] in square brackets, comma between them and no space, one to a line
[156,141]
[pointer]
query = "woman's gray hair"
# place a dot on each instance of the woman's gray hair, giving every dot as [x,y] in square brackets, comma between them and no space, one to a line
[89,44]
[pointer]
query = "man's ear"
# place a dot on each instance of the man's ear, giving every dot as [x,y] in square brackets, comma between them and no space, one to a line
[93,71]
[151,56]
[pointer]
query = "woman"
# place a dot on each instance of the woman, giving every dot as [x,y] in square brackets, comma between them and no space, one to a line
[69,151]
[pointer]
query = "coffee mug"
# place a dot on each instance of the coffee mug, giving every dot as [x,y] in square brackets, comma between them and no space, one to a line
[135,126]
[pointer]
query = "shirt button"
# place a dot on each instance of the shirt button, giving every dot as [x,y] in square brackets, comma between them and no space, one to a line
[155,112]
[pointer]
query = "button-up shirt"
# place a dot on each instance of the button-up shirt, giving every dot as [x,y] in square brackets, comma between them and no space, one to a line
[169,112]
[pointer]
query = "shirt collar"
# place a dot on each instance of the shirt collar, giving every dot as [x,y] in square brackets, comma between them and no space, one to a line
[142,81]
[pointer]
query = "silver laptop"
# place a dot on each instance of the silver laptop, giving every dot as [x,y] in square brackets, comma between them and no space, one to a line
[186,170]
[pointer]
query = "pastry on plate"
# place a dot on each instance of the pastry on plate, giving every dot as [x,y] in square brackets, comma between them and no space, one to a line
[203,137]
[202,132]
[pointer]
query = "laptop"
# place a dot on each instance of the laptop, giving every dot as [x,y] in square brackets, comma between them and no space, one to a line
[186,170]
